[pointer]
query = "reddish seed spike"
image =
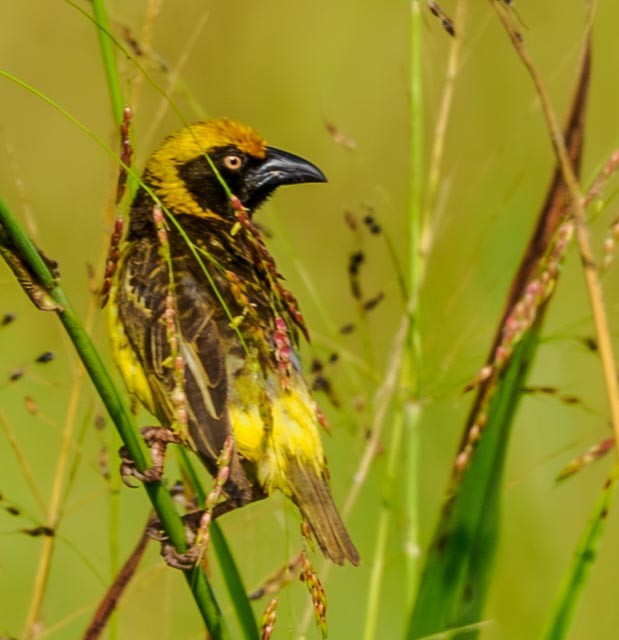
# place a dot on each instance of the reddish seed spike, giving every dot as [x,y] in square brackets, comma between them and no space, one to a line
[126,153]
[31,405]
[283,351]
[317,592]
[112,260]
[262,255]
[322,419]
[214,495]
[268,620]
[237,205]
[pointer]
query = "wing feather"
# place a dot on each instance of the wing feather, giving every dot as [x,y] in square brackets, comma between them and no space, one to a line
[143,289]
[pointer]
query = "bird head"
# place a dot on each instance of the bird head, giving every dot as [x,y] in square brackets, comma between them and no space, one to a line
[183,177]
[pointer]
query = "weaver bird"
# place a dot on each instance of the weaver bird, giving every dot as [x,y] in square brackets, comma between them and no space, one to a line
[203,331]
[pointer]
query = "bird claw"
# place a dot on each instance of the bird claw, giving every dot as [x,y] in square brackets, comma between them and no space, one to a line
[183,561]
[157,440]
[128,471]
[180,560]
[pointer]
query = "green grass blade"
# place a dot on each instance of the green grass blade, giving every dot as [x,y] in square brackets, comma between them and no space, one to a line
[234,584]
[229,569]
[161,500]
[457,572]
[106,45]
[585,554]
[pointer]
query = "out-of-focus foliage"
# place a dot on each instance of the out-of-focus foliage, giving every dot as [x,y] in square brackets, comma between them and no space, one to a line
[288,69]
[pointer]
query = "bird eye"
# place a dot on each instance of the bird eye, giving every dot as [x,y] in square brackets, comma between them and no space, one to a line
[233,162]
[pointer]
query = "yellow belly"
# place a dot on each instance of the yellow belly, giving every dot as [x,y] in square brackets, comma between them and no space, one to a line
[273,426]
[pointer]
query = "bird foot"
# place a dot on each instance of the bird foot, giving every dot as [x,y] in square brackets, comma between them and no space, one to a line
[195,524]
[157,440]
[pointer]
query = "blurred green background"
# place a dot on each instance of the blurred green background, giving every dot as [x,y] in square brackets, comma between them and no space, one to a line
[288,69]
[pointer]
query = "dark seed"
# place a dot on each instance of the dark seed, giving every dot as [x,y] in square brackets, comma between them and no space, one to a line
[7,318]
[45,357]
[16,375]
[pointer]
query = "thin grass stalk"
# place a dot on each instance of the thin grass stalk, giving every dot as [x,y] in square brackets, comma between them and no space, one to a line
[590,270]
[114,521]
[104,614]
[117,100]
[160,498]
[412,367]
[564,609]
[22,460]
[153,9]
[459,563]
[173,79]
[57,498]
[382,401]
[389,499]
[439,136]
[108,56]
[53,512]
[155,86]
[420,245]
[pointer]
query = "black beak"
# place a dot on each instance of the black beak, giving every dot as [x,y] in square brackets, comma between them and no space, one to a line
[279,168]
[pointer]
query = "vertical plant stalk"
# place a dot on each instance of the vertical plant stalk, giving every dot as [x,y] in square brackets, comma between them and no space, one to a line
[439,136]
[99,621]
[108,58]
[573,586]
[575,580]
[590,271]
[173,78]
[411,370]
[459,564]
[420,217]
[230,572]
[388,502]
[106,45]
[153,9]
[22,460]
[53,511]
[382,401]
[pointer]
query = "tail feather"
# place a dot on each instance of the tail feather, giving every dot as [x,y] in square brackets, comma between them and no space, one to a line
[311,494]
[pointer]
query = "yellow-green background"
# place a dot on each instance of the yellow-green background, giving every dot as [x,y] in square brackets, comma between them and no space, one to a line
[286,68]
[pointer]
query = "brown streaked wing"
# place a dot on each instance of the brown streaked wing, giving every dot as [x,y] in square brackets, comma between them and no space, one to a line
[142,303]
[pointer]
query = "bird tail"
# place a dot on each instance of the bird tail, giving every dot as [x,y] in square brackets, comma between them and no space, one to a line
[311,494]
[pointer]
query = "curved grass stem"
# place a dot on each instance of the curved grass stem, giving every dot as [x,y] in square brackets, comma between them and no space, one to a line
[160,498]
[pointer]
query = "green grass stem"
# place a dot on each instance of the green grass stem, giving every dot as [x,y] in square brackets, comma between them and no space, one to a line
[106,44]
[411,370]
[389,499]
[160,498]
[229,569]
[575,580]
